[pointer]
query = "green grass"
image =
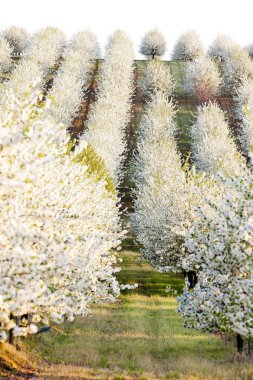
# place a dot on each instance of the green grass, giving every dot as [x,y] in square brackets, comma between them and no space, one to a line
[150,282]
[141,332]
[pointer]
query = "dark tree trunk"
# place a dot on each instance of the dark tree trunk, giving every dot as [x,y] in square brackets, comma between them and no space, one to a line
[192,278]
[239,341]
[249,348]
[11,335]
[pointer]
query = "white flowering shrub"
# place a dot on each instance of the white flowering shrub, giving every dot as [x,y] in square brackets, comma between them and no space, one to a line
[246,134]
[188,47]
[111,112]
[202,79]
[159,210]
[249,49]
[220,47]
[59,221]
[221,250]
[158,78]
[18,38]
[43,53]
[5,55]
[242,97]
[237,65]
[153,44]
[67,88]
[161,214]
[245,112]
[48,45]
[213,148]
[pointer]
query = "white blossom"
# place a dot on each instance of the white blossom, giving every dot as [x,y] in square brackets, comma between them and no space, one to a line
[59,221]
[188,47]
[158,78]
[5,55]
[18,38]
[42,54]
[159,210]
[111,112]
[237,65]
[202,79]
[220,47]
[221,249]
[153,44]
[244,112]
[213,148]
[67,88]
[249,49]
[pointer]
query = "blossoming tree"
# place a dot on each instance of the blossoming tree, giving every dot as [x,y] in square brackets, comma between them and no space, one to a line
[111,111]
[153,44]
[221,250]
[188,47]
[203,79]
[59,221]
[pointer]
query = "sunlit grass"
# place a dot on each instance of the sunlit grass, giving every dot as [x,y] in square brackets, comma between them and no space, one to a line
[140,333]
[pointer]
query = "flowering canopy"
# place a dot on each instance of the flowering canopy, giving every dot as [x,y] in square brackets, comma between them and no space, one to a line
[203,79]
[221,250]
[213,148]
[5,55]
[68,85]
[188,46]
[111,112]
[58,222]
[18,38]
[153,44]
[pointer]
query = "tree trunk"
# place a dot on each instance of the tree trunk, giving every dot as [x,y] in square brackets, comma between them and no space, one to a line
[249,348]
[239,341]
[11,336]
[192,278]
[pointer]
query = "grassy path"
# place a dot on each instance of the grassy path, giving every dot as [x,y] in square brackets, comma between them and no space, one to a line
[141,333]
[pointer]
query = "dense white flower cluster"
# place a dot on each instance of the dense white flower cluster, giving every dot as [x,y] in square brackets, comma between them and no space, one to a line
[58,224]
[237,65]
[249,49]
[158,78]
[159,210]
[18,38]
[153,44]
[5,55]
[213,149]
[203,79]
[243,110]
[220,47]
[43,53]
[68,85]
[188,46]
[221,250]
[111,112]
[161,214]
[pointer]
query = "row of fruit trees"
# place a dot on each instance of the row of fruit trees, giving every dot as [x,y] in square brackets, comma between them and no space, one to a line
[60,209]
